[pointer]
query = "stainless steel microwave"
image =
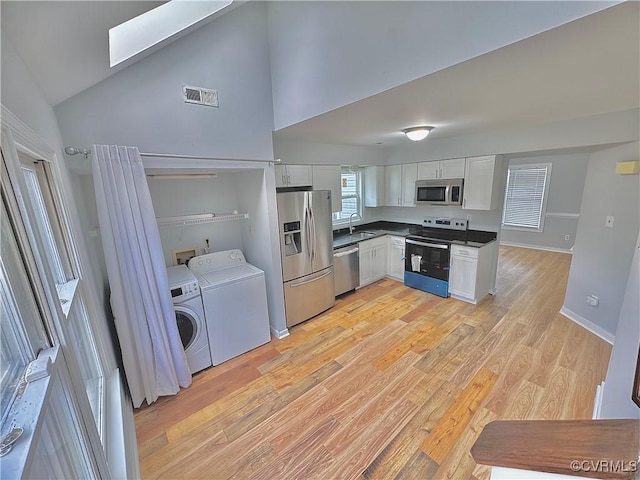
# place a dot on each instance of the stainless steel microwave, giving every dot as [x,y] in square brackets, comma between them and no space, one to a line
[439,192]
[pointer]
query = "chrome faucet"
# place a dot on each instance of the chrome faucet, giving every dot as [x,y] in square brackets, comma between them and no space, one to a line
[350,219]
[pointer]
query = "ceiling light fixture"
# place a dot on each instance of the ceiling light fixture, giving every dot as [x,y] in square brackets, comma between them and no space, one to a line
[417,133]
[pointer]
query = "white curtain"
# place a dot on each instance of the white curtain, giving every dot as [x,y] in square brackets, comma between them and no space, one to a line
[154,360]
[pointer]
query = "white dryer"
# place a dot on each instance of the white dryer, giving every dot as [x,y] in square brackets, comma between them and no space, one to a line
[235,303]
[190,317]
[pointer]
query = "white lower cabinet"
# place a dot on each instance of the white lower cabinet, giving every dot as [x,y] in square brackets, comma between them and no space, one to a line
[470,272]
[462,276]
[395,268]
[372,255]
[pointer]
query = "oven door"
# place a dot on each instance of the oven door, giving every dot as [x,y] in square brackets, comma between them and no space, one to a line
[430,259]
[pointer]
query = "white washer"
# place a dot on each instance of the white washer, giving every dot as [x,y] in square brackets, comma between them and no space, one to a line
[190,317]
[235,303]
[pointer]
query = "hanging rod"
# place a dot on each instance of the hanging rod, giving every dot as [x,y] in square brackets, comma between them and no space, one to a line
[198,157]
[86,153]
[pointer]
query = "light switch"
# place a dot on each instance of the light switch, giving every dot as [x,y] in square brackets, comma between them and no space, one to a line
[609,221]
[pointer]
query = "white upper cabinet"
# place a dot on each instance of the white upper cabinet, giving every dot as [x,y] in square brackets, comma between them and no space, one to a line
[428,170]
[409,177]
[400,183]
[393,185]
[293,176]
[452,168]
[374,187]
[483,182]
[327,177]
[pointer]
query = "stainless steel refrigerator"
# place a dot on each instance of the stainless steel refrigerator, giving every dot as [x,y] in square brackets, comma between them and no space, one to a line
[306,247]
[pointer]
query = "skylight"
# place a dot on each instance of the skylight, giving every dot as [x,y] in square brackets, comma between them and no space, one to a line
[157,27]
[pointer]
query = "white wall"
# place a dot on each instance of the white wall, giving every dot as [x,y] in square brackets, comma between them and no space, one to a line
[261,241]
[568,173]
[20,94]
[616,396]
[327,154]
[602,256]
[142,105]
[328,54]
[23,97]
[193,196]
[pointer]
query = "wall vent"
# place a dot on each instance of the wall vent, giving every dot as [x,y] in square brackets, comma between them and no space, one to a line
[201,96]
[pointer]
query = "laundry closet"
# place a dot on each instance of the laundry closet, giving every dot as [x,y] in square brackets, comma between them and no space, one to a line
[222,219]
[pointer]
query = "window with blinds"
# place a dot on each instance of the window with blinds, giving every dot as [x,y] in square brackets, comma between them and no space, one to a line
[351,198]
[525,197]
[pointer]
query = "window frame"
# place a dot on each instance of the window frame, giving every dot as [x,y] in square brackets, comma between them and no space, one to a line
[545,197]
[110,460]
[342,222]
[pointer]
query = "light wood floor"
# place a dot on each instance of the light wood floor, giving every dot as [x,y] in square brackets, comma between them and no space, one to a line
[390,383]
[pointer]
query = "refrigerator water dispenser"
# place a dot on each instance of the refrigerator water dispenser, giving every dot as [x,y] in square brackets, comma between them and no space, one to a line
[292,238]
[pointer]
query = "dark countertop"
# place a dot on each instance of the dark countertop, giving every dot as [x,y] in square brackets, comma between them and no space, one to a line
[368,231]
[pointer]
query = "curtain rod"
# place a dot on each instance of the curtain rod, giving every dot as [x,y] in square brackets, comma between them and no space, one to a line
[86,153]
[198,157]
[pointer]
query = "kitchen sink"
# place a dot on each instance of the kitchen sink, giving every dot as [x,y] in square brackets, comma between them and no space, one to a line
[354,237]
[361,235]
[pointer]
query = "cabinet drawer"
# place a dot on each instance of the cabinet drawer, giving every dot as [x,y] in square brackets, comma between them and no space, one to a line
[464,251]
[374,242]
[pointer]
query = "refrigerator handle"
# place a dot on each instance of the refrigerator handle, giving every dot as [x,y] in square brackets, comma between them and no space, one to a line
[313,237]
[307,230]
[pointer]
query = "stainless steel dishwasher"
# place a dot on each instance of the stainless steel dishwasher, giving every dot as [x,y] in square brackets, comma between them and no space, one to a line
[346,268]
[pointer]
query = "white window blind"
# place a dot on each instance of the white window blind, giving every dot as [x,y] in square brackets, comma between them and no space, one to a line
[351,200]
[525,196]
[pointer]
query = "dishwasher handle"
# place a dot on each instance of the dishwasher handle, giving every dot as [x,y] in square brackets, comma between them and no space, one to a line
[344,254]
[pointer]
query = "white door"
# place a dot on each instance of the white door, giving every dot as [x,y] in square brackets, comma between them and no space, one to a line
[393,185]
[409,177]
[453,168]
[428,170]
[379,269]
[328,177]
[396,259]
[478,183]
[365,258]
[462,276]
[281,176]
[299,176]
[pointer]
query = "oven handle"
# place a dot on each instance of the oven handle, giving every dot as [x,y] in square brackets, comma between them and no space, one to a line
[434,245]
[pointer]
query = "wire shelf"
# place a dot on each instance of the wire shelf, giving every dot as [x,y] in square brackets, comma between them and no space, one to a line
[199,219]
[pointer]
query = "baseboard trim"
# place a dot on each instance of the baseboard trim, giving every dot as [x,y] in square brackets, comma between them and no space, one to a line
[584,323]
[279,334]
[538,247]
[597,401]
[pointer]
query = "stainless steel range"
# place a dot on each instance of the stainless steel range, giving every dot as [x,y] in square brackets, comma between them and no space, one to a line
[428,254]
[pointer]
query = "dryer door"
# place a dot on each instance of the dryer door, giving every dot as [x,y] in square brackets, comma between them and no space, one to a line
[187,326]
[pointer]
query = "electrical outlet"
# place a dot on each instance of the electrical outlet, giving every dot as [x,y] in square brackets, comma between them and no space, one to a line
[593,300]
[567,237]
[609,221]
